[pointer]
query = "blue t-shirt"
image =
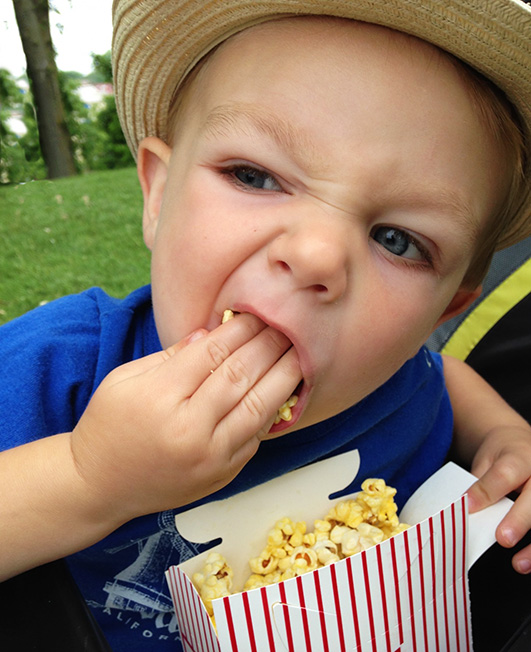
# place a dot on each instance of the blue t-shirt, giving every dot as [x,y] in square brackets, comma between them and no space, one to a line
[52,360]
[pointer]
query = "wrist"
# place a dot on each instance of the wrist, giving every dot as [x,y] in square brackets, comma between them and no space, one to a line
[99,506]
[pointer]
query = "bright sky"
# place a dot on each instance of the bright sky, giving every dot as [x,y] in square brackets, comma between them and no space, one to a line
[86,28]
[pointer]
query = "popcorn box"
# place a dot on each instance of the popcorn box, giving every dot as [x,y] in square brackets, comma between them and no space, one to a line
[408,593]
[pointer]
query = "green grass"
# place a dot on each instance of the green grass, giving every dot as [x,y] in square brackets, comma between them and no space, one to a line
[63,236]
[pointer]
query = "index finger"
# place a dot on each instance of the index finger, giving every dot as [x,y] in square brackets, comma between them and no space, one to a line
[204,355]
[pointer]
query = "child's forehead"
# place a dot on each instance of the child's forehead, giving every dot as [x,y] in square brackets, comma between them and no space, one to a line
[313,37]
[250,75]
[328,50]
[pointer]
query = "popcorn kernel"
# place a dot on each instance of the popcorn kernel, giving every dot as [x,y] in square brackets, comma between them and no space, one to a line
[349,527]
[227,314]
[284,411]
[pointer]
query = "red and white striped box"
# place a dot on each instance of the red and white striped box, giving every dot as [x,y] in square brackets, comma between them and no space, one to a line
[409,593]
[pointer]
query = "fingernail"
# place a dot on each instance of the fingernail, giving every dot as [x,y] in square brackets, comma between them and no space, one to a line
[509,536]
[196,335]
[523,566]
[473,503]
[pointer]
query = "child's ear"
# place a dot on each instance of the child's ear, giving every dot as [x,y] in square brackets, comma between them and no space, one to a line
[462,299]
[152,166]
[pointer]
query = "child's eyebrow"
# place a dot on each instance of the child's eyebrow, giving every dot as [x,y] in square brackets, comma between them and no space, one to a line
[442,201]
[249,119]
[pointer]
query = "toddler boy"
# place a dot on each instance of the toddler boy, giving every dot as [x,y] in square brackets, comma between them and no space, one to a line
[341,185]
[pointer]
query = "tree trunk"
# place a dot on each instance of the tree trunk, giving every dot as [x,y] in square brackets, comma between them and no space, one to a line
[34,26]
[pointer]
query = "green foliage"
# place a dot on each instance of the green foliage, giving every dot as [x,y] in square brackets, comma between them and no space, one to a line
[30,140]
[20,158]
[9,93]
[74,75]
[96,133]
[15,165]
[78,121]
[102,65]
[62,236]
[110,150]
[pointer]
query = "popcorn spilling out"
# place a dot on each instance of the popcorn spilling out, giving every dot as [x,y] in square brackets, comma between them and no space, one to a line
[284,412]
[349,527]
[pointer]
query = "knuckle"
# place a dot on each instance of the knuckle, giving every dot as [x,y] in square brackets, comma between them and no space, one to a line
[217,352]
[481,493]
[506,470]
[254,403]
[237,373]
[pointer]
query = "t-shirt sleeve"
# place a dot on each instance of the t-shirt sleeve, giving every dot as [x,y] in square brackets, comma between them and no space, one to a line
[47,364]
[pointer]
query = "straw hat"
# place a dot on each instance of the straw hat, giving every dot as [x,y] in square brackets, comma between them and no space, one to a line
[157,42]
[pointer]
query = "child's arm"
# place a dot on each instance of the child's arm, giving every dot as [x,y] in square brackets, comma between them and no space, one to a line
[47,511]
[494,441]
[159,433]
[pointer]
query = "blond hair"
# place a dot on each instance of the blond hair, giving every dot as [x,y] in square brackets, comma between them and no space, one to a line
[501,121]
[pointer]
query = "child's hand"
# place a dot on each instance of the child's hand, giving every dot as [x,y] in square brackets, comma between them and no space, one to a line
[503,464]
[165,430]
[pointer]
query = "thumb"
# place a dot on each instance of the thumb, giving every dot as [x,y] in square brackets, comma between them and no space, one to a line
[486,491]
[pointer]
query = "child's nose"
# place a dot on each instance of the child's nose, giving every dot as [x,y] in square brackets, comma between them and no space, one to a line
[315,256]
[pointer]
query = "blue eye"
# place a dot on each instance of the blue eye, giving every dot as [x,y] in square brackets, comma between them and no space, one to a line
[253,178]
[400,243]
